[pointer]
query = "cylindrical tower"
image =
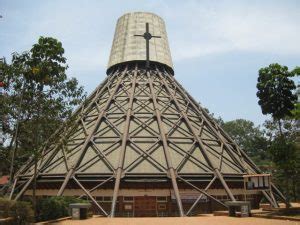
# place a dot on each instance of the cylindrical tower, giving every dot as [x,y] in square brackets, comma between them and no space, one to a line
[127,47]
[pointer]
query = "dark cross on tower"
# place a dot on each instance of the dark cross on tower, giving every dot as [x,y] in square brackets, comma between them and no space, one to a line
[147,37]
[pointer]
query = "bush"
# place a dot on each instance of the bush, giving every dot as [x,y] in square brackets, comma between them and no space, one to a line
[5,206]
[55,207]
[21,212]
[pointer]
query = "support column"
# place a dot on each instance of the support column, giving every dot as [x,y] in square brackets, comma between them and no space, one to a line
[239,161]
[269,198]
[243,154]
[24,188]
[90,136]
[203,192]
[200,196]
[171,169]
[228,191]
[90,196]
[100,88]
[199,141]
[278,192]
[98,185]
[195,106]
[123,146]
[64,184]
[13,188]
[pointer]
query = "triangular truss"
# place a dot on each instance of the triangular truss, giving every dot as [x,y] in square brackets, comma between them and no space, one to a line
[140,122]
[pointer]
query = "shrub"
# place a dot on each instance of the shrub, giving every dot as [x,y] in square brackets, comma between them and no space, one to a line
[5,206]
[55,207]
[20,211]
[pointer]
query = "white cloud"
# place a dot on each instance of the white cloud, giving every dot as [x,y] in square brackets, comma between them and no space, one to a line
[198,28]
[195,28]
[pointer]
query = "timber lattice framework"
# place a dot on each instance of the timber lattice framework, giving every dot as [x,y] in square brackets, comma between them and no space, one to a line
[139,123]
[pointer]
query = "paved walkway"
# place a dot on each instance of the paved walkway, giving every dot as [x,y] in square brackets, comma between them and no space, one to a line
[204,220]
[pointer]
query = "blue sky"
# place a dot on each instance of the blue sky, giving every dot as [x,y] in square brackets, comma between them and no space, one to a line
[217,46]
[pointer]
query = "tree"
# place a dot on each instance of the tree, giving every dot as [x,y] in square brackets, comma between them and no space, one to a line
[218,120]
[296,111]
[285,153]
[4,159]
[277,98]
[275,91]
[39,97]
[249,137]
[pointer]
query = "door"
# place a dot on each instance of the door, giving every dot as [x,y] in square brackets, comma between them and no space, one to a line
[144,206]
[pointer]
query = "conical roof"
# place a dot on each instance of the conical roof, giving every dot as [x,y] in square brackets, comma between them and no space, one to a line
[132,113]
[142,120]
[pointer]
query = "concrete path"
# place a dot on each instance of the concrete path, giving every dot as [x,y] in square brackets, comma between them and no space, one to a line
[203,220]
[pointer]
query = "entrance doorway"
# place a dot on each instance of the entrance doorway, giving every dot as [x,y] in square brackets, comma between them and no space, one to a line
[145,206]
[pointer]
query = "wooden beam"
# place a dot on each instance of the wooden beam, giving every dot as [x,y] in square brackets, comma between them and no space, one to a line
[90,136]
[123,146]
[200,196]
[90,196]
[203,192]
[202,146]
[171,169]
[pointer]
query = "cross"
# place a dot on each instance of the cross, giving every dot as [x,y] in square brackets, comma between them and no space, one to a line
[147,36]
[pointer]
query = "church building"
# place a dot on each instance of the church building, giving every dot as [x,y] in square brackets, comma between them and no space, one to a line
[141,145]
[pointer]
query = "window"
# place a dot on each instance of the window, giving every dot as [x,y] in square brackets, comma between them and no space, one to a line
[161,198]
[162,207]
[103,198]
[128,199]
[107,199]
[99,198]
[128,207]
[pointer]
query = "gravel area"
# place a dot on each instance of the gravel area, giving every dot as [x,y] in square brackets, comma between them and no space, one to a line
[204,220]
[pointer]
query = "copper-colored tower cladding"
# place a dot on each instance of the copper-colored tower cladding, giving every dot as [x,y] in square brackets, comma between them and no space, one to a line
[140,145]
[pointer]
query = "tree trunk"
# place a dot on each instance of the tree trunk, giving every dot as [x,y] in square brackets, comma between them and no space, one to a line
[15,138]
[12,158]
[280,128]
[294,186]
[13,148]
[287,188]
[36,153]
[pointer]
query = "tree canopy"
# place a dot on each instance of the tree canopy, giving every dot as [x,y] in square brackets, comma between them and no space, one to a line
[275,90]
[277,97]
[38,98]
[38,95]
[249,137]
